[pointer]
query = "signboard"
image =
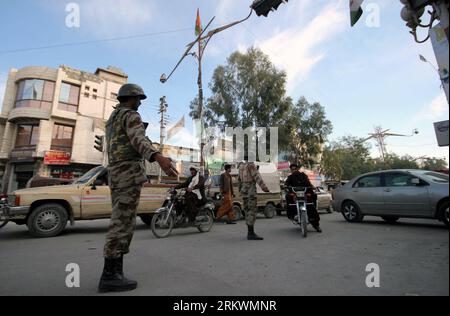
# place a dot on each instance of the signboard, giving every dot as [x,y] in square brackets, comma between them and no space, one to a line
[439,39]
[284,165]
[442,133]
[57,158]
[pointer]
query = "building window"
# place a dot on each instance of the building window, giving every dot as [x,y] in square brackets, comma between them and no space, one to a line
[27,136]
[69,97]
[86,95]
[87,88]
[94,97]
[95,90]
[62,138]
[35,93]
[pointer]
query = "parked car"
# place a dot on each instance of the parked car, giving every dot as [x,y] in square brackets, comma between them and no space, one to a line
[324,200]
[395,194]
[46,210]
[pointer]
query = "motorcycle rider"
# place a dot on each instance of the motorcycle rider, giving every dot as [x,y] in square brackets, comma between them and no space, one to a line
[195,193]
[300,179]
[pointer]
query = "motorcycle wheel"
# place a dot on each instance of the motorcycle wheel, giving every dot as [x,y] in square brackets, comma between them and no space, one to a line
[161,229]
[304,224]
[206,222]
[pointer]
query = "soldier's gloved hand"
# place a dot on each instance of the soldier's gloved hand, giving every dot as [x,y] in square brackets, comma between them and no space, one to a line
[166,165]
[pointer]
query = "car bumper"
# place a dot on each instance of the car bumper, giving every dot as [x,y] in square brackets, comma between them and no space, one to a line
[336,206]
[15,211]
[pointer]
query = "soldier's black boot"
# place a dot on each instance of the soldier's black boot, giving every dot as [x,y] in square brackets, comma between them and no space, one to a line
[251,234]
[112,279]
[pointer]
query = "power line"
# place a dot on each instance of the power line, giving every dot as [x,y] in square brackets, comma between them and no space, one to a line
[20,50]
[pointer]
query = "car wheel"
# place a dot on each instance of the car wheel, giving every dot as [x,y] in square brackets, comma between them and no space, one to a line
[390,219]
[352,212]
[444,213]
[47,220]
[237,212]
[269,211]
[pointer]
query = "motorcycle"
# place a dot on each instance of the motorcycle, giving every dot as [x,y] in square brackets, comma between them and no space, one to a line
[3,218]
[173,215]
[300,199]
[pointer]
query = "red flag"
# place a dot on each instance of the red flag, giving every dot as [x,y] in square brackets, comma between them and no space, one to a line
[198,24]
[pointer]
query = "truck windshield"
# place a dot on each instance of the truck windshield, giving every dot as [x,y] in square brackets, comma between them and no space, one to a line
[87,176]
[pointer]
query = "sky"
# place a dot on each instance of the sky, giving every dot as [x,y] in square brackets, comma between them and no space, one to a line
[365,76]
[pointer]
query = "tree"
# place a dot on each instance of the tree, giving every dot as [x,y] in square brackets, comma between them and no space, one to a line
[434,164]
[249,91]
[308,129]
[346,158]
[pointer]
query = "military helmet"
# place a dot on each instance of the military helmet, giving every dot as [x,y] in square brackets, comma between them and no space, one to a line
[131,90]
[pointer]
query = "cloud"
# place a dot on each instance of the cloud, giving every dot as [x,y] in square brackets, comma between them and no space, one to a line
[436,110]
[297,50]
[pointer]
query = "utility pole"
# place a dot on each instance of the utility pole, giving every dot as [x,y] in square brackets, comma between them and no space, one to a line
[163,123]
[380,137]
[203,41]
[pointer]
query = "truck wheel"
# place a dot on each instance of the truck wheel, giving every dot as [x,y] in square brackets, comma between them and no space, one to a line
[47,220]
[270,210]
[3,222]
[238,215]
[146,218]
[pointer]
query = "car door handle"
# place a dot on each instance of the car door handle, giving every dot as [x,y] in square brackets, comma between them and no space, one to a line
[387,190]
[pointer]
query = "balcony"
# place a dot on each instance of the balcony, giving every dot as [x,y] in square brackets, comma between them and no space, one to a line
[26,113]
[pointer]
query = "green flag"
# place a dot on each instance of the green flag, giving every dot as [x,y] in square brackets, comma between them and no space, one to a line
[355,11]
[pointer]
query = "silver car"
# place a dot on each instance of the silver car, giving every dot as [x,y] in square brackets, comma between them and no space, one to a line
[393,194]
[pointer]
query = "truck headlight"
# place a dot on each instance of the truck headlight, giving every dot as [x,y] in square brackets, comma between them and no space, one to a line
[14,200]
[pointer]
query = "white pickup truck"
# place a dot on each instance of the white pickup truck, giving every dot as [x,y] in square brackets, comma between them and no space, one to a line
[47,210]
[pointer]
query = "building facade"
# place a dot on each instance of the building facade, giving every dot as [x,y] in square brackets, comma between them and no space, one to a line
[49,120]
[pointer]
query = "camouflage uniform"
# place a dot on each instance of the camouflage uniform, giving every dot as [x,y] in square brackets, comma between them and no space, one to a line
[249,176]
[127,147]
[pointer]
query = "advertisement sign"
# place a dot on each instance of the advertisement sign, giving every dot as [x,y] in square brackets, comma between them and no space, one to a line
[57,158]
[442,133]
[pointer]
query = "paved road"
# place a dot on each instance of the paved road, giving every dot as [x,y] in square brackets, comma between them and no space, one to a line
[413,257]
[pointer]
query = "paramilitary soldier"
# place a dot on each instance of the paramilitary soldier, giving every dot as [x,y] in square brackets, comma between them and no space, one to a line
[249,176]
[127,147]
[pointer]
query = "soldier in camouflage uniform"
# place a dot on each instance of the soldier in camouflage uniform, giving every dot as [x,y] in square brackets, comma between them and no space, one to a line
[249,176]
[127,147]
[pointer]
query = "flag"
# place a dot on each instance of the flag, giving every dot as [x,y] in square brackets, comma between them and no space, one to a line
[198,24]
[355,11]
[176,128]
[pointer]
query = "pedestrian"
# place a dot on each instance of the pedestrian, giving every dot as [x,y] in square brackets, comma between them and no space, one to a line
[227,191]
[127,147]
[249,176]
